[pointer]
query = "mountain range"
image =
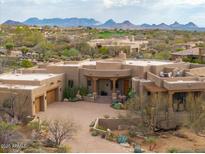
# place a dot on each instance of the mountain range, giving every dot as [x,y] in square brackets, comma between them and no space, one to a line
[109,24]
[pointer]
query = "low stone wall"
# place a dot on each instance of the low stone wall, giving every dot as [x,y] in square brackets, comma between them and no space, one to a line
[114,124]
[89,99]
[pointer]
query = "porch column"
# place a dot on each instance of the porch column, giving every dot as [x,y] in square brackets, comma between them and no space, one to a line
[95,86]
[170,101]
[114,94]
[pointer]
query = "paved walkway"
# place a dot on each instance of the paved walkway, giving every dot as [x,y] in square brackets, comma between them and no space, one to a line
[82,113]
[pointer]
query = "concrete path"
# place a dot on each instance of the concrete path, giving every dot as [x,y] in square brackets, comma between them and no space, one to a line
[82,113]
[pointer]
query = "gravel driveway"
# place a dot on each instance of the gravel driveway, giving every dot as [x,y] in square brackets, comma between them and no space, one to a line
[82,113]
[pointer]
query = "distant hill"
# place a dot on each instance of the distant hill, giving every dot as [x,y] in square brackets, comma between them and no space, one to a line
[67,22]
[109,24]
[12,22]
[175,26]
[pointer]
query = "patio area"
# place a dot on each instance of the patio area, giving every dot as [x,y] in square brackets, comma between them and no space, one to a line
[82,113]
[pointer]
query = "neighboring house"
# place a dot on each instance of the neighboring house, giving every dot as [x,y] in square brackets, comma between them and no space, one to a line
[104,79]
[132,44]
[188,45]
[192,54]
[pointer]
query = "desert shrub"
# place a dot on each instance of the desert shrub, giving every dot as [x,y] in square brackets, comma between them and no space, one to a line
[26,63]
[34,150]
[132,133]
[34,144]
[104,56]
[70,92]
[83,91]
[71,52]
[130,94]
[61,130]
[7,103]
[6,132]
[103,50]
[173,150]
[63,149]
[94,133]
[37,125]
[195,107]
[111,137]
[122,139]
[117,105]
[101,128]
[151,140]
[49,143]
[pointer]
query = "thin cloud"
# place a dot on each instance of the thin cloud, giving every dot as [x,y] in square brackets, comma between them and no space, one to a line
[119,3]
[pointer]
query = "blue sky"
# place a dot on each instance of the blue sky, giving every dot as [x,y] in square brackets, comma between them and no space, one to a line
[137,11]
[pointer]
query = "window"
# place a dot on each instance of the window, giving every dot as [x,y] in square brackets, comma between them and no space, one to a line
[89,83]
[117,84]
[70,83]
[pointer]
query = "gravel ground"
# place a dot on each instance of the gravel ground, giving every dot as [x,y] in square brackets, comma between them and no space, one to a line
[82,113]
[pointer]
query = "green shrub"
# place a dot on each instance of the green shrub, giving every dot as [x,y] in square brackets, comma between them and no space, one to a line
[71,52]
[117,106]
[7,103]
[111,137]
[63,149]
[26,63]
[104,50]
[173,150]
[94,133]
[130,94]
[37,125]
[6,131]
[70,92]
[83,91]
[101,128]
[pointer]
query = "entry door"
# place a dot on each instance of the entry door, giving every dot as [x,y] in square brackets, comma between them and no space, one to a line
[126,86]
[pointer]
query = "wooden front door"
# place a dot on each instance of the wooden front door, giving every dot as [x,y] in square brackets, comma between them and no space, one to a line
[126,86]
[51,96]
[37,104]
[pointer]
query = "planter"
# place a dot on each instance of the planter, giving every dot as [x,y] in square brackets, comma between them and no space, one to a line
[88,99]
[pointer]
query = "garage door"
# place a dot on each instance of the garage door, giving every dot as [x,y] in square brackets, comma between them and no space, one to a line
[38,104]
[51,96]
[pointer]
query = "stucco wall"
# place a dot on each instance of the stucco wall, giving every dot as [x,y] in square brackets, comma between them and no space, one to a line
[22,99]
[154,78]
[108,65]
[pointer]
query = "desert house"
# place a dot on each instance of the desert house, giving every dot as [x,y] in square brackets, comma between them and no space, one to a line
[106,80]
[132,44]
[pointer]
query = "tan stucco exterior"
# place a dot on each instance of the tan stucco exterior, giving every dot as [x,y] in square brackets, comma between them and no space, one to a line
[104,77]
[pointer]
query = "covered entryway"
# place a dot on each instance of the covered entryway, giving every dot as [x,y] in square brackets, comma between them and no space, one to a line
[38,104]
[51,96]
